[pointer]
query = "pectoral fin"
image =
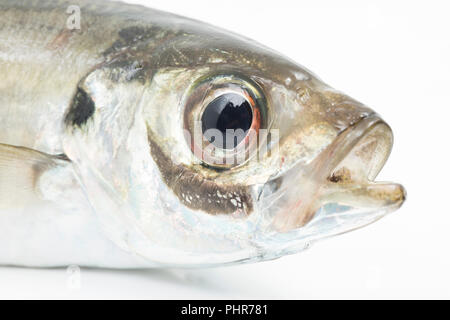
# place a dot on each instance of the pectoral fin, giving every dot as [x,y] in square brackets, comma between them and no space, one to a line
[20,170]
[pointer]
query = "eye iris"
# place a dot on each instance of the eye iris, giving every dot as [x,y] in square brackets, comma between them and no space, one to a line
[226,120]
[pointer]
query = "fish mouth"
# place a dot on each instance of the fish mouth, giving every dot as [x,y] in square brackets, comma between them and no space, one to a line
[340,183]
[356,164]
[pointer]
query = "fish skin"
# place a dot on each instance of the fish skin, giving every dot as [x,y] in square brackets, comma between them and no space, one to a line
[111,97]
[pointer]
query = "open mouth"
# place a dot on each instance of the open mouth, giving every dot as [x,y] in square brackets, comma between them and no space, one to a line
[358,162]
[339,191]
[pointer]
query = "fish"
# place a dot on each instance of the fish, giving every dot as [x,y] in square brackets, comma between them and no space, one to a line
[136,138]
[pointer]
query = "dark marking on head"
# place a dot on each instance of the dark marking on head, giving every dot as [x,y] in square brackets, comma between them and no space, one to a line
[130,56]
[133,34]
[198,192]
[81,110]
[130,38]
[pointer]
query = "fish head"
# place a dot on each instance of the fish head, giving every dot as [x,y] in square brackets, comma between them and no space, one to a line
[214,149]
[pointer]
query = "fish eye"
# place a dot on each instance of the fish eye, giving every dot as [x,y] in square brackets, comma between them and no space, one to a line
[223,118]
[229,115]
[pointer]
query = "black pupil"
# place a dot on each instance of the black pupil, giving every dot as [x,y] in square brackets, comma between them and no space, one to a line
[226,120]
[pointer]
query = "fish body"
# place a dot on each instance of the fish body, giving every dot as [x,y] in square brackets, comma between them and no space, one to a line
[106,160]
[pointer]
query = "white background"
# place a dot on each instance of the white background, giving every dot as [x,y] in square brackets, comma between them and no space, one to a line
[394,57]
